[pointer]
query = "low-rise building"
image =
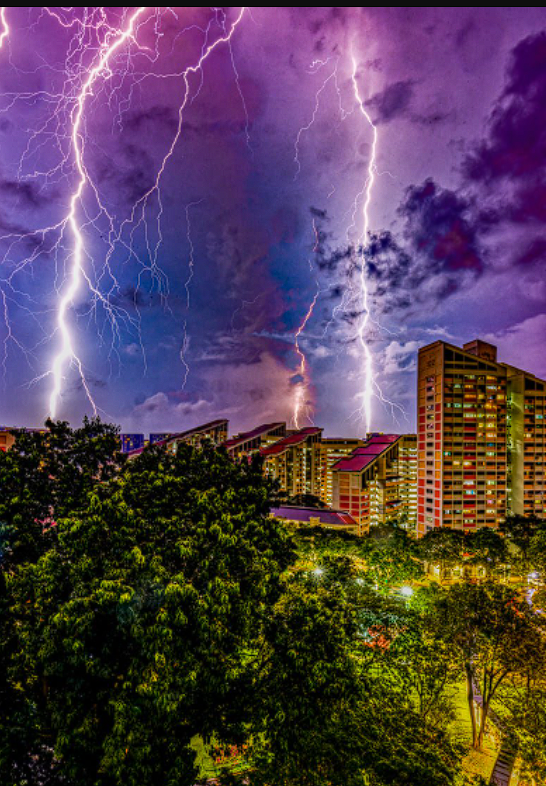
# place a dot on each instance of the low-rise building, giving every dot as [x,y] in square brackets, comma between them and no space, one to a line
[6,438]
[317,517]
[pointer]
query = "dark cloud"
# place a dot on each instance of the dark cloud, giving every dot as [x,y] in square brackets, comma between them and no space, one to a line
[404,277]
[140,121]
[439,225]
[514,150]
[392,102]
[23,194]
[317,213]
[535,252]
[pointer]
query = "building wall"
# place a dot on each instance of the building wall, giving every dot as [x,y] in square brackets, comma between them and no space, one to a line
[250,443]
[216,433]
[6,440]
[297,468]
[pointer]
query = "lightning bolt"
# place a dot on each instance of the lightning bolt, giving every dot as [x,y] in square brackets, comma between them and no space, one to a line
[67,352]
[303,385]
[5,27]
[77,268]
[316,66]
[191,265]
[368,385]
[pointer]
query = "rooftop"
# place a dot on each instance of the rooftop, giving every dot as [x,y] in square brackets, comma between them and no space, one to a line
[245,436]
[289,441]
[364,456]
[338,518]
[184,434]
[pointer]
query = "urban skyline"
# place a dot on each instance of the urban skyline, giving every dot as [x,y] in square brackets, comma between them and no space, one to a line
[478,457]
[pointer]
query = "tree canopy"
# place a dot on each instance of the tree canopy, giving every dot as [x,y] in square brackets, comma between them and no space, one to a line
[132,625]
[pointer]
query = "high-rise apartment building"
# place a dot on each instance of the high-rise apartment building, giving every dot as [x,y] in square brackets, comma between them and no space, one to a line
[480,444]
[331,451]
[527,443]
[377,483]
[295,461]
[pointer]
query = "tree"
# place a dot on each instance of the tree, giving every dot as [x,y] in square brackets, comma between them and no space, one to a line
[135,628]
[487,549]
[44,475]
[444,546]
[519,530]
[496,637]
[537,552]
[48,474]
[300,500]
[425,667]
[326,716]
[390,558]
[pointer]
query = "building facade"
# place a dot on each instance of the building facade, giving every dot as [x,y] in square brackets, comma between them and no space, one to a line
[480,442]
[6,439]
[526,443]
[377,483]
[295,461]
[333,450]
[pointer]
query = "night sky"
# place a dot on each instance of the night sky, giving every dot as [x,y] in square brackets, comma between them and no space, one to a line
[192,295]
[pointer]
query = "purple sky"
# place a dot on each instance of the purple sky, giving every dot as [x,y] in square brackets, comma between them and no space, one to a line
[255,213]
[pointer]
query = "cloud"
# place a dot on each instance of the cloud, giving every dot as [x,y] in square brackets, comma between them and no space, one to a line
[528,337]
[534,253]
[399,357]
[23,194]
[392,102]
[514,150]
[440,226]
[248,393]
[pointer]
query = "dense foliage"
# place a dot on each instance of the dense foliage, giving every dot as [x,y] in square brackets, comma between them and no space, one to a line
[149,604]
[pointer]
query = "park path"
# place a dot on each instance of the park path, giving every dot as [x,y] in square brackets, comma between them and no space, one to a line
[504,763]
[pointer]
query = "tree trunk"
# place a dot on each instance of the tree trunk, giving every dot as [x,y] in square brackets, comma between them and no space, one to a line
[470,699]
[483,720]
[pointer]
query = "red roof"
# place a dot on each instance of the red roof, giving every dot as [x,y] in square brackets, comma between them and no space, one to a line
[326,516]
[287,442]
[364,456]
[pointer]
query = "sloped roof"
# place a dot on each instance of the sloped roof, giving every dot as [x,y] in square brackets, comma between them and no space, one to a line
[245,436]
[292,439]
[364,456]
[337,518]
[183,435]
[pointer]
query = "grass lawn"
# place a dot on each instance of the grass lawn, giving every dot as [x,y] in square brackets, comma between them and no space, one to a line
[475,762]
